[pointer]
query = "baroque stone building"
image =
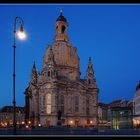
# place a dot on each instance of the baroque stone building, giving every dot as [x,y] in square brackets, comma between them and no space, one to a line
[6,116]
[58,95]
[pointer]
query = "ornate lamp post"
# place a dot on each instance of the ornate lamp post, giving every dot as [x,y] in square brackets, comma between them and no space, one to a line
[21,35]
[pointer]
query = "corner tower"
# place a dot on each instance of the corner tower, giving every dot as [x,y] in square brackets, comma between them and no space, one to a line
[90,72]
[33,77]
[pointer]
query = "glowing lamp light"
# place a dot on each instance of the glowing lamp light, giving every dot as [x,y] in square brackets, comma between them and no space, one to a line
[71,122]
[39,124]
[91,122]
[27,126]
[22,122]
[21,34]
[29,122]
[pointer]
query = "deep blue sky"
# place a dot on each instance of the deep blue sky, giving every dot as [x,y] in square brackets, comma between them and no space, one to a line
[110,34]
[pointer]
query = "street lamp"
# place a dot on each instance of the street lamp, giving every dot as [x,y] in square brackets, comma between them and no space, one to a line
[21,35]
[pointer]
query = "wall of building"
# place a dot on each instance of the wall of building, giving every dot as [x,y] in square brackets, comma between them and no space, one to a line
[136,107]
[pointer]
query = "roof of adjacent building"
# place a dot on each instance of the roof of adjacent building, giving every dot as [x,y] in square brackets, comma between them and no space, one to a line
[121,103]
[117,103]
[102,104]
[10,109]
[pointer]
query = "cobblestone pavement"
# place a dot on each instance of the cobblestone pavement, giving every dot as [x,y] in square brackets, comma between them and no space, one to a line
[64,131]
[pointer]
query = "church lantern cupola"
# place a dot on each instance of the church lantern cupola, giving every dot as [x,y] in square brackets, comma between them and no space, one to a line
[61,28]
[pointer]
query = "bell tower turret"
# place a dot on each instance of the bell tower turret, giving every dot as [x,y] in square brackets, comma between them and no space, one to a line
[49,69]
[61,28]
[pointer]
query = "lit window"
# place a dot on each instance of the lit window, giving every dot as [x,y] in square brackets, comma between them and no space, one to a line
[48,96]
[48,109]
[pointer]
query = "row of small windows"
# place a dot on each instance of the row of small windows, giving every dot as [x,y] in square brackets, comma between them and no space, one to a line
[48,73]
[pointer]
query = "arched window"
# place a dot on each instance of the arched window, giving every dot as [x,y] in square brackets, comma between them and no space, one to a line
[56,27]
[62,103]
[48,100]
[76,102]
[49,73]
[62,99]
[87,106]
[89,81]
[63,28]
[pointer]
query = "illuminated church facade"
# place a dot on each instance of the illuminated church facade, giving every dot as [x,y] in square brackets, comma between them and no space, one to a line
[57,95]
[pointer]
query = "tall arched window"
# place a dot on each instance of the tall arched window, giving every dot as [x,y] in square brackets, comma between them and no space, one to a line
[62,103]
[63,29]
[89,81]
[48,100]
[76,102]
[87,105]
[49,73]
